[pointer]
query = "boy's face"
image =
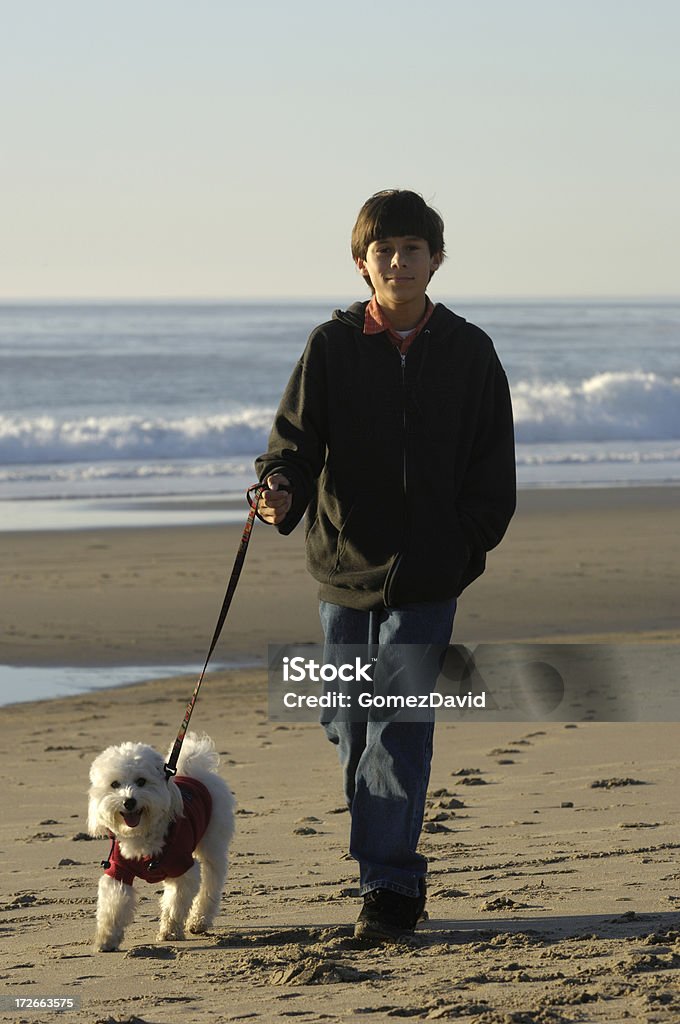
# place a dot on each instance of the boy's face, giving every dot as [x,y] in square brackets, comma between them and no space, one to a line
[399,267]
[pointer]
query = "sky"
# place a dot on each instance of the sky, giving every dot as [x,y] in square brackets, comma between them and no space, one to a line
[208,148]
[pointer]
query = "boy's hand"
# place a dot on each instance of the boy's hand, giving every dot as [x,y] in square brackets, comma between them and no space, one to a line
[274,504]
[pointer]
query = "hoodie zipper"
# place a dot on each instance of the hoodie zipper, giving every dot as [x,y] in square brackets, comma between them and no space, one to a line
[402,356]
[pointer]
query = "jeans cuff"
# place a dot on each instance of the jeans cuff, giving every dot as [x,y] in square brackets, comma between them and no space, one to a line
[392,886]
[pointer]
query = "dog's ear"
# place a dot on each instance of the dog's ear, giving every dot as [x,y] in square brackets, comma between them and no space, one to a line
[93,826]
[94,769]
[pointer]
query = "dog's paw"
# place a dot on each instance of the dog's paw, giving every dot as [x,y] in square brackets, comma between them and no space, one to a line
[198,925]
[170,933]
[103,946]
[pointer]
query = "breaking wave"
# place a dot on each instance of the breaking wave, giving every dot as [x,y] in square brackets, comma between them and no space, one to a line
[106,438]
[607,407]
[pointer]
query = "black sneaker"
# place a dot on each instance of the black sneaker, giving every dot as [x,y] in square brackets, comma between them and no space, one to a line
[388,916]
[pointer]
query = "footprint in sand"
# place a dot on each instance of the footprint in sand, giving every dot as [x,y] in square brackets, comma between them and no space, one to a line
[614,783]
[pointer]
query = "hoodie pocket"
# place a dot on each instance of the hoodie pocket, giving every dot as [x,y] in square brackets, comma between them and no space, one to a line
[321,543]
[364,544]
[343,536]
[433,564]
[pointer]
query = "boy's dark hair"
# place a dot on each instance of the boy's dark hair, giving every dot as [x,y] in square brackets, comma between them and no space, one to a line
[396,211]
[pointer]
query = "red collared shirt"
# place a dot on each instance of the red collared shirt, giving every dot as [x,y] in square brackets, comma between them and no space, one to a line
[375,322]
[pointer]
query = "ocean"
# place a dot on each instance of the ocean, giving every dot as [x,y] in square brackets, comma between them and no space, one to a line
[121,413]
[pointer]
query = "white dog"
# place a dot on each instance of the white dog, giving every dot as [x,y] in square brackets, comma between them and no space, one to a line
[156,825]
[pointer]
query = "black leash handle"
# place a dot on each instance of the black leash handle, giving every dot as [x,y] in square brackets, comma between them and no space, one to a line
[253,495]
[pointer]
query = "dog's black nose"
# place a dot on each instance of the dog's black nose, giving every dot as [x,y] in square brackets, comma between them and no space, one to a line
[130,804]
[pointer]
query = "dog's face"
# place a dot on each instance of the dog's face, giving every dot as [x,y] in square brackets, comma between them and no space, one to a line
[129,794]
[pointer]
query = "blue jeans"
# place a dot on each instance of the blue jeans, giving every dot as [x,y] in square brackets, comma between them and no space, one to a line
[386,763]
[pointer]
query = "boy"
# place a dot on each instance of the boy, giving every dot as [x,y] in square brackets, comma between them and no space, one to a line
[395,435]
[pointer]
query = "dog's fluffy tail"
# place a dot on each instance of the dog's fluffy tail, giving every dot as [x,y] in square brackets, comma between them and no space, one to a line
[198,755]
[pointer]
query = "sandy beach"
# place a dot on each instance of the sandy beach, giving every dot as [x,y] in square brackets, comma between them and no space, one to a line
[554,847]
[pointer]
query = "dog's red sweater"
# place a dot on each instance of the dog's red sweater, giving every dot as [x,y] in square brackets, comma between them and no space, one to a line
[181,840]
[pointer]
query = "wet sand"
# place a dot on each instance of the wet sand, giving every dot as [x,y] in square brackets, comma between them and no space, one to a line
[574,564]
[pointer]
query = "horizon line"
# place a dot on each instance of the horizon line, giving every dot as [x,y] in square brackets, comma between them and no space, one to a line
[291,299]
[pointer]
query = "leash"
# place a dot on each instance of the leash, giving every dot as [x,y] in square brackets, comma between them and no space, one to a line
[252,496]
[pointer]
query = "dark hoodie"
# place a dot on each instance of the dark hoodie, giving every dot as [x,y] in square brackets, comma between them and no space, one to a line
[405,465]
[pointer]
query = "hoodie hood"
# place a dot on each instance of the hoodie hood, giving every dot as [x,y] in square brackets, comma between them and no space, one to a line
[354,316]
